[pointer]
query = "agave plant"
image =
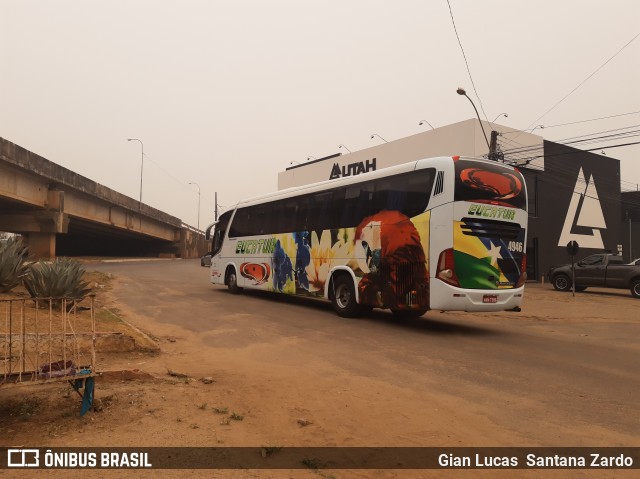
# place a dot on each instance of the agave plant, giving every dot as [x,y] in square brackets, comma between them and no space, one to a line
[60,278]
[13,254]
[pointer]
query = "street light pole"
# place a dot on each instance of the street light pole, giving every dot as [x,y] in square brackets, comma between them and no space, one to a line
[506,115]
[462,92]
[198,202]
[375,134]
[141,166]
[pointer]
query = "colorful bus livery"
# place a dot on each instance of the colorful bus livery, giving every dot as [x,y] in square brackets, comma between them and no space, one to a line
[443,233]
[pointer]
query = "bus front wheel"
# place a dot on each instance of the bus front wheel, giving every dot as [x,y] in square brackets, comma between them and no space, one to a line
[343,298]
[232,282]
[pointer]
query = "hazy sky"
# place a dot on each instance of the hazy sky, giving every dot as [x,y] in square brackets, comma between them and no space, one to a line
[227,94]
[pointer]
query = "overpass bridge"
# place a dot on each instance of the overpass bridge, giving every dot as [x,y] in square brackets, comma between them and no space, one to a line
[61,213]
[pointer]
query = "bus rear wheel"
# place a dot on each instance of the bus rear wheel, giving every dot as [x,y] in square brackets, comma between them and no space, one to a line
[343,298]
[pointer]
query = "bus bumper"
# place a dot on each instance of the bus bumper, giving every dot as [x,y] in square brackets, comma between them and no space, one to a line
[449,298]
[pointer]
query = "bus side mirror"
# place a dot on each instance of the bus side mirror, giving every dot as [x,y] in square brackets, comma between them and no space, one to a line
[207,232]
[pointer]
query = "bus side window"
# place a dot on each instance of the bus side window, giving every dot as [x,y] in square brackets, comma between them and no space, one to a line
[261,223]
[418,187]
[285,221]
[319,211]
[241,223]
[383,198]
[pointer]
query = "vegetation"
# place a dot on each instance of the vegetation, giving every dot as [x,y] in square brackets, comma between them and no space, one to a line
[60,278]
[13,269]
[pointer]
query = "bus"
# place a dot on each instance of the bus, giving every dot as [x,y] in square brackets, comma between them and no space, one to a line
[446,233]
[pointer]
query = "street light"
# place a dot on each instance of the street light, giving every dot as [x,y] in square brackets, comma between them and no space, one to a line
[506,115]
[342,146]
[198,202]
[537,126]
[141,166]
[425,121]
[461,91]
[375,134]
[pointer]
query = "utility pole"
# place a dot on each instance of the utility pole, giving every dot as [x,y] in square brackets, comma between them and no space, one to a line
[493,147]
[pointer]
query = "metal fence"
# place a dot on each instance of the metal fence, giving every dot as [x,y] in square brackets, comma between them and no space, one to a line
[48,339]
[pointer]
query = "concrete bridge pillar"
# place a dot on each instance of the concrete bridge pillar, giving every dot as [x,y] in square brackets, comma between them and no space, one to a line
[41,245]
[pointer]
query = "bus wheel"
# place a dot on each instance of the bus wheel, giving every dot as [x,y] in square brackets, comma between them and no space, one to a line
[343,298]
[232,281]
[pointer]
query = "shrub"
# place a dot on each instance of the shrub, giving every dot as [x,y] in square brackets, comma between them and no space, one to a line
[60,278]
[13,269]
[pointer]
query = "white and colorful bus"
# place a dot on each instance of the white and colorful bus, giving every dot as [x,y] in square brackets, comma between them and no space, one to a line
[445,233]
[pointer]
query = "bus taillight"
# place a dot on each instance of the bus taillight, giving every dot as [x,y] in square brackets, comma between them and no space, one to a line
[523,272]
[446,268]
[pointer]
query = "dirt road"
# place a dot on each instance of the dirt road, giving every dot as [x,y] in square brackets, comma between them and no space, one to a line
[564,372]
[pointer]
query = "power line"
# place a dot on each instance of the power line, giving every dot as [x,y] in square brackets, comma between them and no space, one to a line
[573,139]
[592,119]
[466,62]
[582,82]
[577,122]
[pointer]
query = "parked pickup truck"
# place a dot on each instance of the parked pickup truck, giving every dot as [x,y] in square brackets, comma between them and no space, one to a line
[601,270]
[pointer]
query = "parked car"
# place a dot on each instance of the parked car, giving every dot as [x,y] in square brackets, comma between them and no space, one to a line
[206,260]
[599,270]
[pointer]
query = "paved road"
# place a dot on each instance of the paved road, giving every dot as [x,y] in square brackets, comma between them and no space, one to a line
[564,372]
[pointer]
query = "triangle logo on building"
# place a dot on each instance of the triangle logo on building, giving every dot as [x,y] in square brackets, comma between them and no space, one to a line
[335,172]
[585,211]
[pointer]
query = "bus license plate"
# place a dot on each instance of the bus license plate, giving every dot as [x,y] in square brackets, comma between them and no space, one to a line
[490,298]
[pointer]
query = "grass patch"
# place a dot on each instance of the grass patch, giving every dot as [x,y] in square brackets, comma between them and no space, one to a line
[236,417]
[102,279]
[268,451]
[312,463]
[221,410]
[108,316]
[24,408]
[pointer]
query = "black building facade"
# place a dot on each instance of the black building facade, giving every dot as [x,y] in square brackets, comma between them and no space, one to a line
[631,223]
[576,198]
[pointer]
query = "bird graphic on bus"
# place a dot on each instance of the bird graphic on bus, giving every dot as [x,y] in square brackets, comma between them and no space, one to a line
[386,243]
[491,185]
[257,272]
